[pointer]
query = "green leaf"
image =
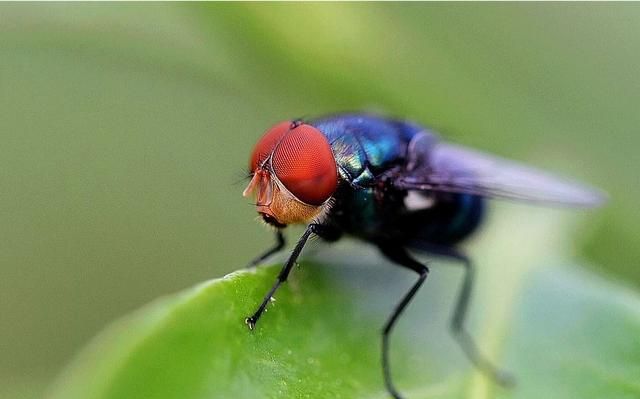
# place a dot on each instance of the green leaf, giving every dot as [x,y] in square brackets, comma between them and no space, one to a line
[575,336]
[564,333]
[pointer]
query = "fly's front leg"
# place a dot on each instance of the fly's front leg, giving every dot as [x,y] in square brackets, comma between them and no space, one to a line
[280,243]
[282,276]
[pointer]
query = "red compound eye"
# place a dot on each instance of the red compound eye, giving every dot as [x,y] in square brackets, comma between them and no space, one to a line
[265,146]
[304,163]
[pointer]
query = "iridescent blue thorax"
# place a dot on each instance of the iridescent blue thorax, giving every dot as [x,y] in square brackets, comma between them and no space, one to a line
[365,146]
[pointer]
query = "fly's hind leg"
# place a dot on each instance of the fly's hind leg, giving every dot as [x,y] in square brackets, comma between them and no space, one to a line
[458,329]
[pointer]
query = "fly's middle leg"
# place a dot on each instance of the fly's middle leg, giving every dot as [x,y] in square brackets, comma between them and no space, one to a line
[400,256]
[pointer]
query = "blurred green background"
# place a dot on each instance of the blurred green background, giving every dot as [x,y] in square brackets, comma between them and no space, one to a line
[124,129]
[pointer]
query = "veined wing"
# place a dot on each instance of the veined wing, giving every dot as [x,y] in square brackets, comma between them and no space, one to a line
[448,167]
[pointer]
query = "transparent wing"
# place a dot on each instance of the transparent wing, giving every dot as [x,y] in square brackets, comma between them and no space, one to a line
[447,167]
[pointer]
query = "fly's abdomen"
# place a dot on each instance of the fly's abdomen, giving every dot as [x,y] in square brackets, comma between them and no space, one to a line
[451,219]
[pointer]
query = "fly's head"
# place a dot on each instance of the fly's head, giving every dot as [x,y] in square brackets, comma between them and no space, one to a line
[294,174]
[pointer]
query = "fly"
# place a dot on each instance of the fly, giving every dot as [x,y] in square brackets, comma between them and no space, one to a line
[394,184]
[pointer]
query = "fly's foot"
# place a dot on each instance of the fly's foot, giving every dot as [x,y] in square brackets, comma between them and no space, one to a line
[505,379]
[251,322]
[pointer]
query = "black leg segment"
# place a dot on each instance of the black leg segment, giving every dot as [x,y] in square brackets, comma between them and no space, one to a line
[462,336]
[400,256]
[458,330]
[282,277]
[277,247]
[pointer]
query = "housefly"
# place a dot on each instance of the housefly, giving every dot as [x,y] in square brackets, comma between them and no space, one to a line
[394,184]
